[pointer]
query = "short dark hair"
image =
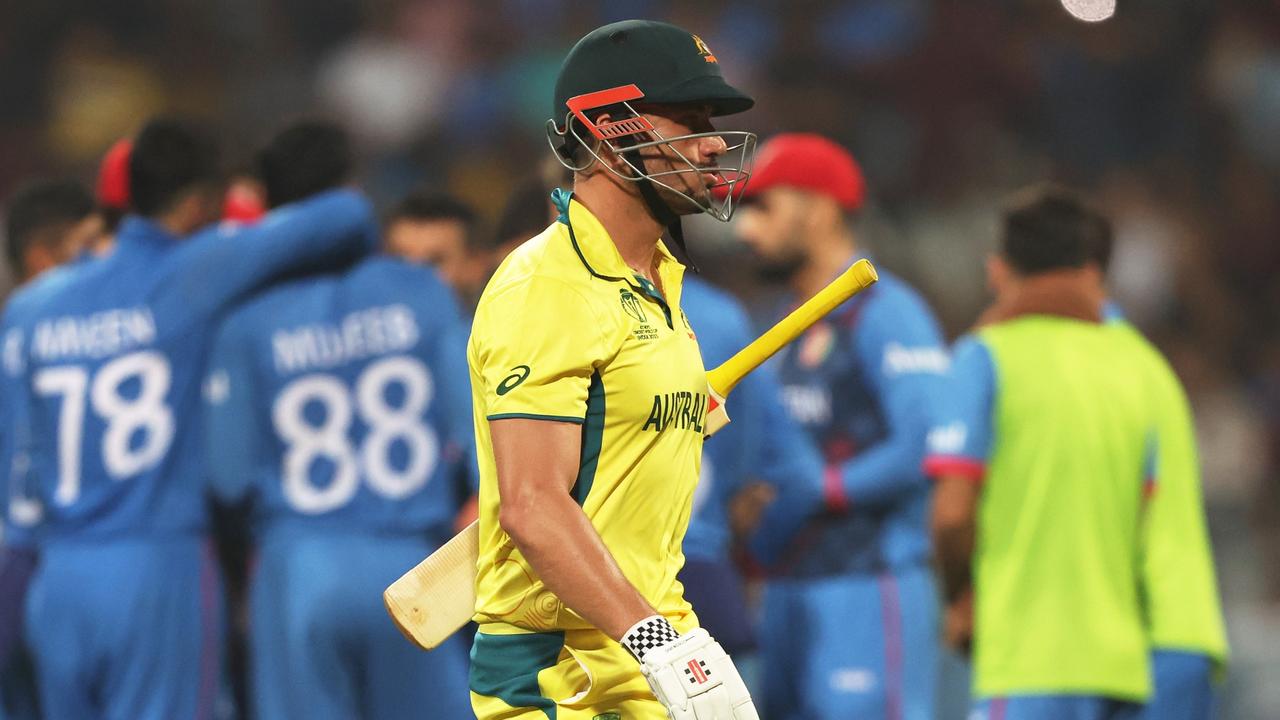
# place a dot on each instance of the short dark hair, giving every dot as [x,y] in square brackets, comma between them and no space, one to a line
[40,206]
[305,158]
[1050,228]
[170,159]
[525,214]
[1102,245]
[426,206]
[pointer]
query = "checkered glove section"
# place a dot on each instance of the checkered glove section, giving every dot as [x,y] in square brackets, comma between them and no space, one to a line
[694,679]
[651,632]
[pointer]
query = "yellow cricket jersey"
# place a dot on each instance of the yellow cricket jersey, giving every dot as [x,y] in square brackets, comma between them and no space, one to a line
[565,331]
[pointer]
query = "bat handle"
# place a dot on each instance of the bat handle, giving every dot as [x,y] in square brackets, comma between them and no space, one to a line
[860,276]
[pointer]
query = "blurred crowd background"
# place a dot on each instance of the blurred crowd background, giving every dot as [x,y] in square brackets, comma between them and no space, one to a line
[1166,115]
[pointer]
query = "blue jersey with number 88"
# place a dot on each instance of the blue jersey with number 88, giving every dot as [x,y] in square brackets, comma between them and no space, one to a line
[342,402]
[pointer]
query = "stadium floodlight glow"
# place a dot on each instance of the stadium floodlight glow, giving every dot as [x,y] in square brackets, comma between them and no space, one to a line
[1090,10]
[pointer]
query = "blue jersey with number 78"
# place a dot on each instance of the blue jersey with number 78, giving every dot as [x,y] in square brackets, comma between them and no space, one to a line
[114,355]
[342,402]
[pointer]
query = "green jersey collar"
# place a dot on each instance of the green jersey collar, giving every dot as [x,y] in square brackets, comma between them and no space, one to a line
[600,256]
[592,242]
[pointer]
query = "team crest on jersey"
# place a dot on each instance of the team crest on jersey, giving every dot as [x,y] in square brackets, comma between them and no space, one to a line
[631,305]
[816,345]
[703,50]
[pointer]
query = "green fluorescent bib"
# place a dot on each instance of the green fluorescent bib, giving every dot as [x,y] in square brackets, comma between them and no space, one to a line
[1180,585]
[1058,607]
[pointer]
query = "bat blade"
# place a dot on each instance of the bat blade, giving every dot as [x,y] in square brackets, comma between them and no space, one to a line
[437,597]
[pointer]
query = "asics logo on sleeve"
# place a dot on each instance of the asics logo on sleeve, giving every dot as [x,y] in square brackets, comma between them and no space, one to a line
[512,381]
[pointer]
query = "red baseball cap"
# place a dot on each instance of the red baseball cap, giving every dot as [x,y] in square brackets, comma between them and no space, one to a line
[113,176]
[807,161]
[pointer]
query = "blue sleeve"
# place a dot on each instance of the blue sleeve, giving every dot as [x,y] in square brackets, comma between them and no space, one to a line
[20,510]
[236,435]
[959,441]
[787,459]
[904,360]
[454,383]
[10,346]
[226,263]
[736,446]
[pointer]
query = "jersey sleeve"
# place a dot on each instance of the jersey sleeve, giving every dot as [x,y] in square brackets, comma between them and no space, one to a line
[959,441]
[20,508]
[535,348]
[901,351]
[450,365]
[224,264]
[735,446]
[235,433]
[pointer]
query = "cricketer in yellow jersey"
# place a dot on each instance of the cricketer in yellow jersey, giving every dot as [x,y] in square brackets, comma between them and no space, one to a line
[590,402]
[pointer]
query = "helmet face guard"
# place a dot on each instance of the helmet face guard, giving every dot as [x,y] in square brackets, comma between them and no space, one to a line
[628,136]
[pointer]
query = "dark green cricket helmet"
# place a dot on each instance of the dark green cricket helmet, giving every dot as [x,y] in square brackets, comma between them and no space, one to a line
[644,62]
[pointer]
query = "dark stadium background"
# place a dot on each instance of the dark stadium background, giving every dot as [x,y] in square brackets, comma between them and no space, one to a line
[1167,115]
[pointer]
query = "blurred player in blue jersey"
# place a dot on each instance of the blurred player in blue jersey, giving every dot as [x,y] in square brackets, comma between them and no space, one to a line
[123,613]
[850,613]
[48,223]
[440,231]
[761,444]
[339,410]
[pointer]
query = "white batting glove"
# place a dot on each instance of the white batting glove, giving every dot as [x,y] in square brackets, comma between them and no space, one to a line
[691,675]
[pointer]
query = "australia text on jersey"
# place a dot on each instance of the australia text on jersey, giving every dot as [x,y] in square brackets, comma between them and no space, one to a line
[682,410]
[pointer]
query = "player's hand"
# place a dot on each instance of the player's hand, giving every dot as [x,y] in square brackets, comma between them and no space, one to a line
[748,506]
[691,675]
[958,624]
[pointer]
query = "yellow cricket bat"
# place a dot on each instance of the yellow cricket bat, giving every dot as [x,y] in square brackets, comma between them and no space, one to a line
[437,597]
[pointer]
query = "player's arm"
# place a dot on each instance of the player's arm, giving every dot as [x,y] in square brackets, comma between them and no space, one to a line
[904,359]
[18,512]
[449,365]
[958,447]
[20,506]
[222,264]
[236,435]
[537,463]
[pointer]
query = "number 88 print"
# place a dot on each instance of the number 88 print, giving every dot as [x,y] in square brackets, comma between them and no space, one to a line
[330,438]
